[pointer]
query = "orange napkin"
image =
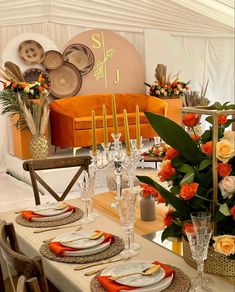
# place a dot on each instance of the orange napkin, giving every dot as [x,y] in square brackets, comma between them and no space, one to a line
[28,215]
[112,286]
[59,249]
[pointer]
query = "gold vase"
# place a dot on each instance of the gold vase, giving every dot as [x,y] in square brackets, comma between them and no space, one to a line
[38,147]
[216,263]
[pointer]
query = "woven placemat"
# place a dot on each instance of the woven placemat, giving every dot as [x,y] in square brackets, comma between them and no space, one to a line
[115,248]
[77,214]
[180,283]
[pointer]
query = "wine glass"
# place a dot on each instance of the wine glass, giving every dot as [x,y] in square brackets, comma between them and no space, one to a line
[86,187]
[199,242]
[126,211]
[200,220]
[157,140]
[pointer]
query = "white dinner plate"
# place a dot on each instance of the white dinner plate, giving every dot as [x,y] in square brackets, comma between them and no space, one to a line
[79,243]
[135,280]
[88,251]
[53,218]
[49,209]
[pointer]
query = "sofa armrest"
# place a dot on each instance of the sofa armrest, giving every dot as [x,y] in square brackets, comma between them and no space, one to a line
[157,106]
[62,129]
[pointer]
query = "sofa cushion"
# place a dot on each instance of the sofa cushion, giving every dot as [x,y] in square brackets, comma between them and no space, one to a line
[84,123]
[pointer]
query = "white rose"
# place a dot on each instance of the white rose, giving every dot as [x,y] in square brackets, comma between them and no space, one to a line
[227,186]
[158,92]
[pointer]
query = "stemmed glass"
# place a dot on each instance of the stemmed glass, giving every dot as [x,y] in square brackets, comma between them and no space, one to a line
[199,240]
[126,211]
[86,187]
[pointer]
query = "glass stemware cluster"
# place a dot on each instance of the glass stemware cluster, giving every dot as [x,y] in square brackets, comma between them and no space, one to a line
[199,239]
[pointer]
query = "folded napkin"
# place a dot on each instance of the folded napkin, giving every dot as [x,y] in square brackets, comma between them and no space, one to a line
[112,286]
[57,248]
[28,215]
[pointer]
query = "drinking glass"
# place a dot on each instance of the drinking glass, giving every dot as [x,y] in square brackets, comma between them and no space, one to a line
[199,243]
[86,187]
[157,140]
[126,211]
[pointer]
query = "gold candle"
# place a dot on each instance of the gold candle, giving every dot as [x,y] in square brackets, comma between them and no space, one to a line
[137,127]
[105,127]
[94,146]
[114,110]
[127,134]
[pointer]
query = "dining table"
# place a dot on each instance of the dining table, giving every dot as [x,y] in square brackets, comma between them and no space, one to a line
[63,275]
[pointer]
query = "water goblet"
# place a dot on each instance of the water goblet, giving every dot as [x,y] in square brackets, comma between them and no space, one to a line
[126,211]
[199,243]
[157,140]
[86,186]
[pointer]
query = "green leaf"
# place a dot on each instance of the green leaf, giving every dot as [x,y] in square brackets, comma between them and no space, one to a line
[186,168]
[207,136]
[230,107]
[177,161]
[175,190]
[177,203]
[175,136]
[171,231]
[204,164]
[224,210]
[217,105]
[228,123]
[188,178]
[209,119]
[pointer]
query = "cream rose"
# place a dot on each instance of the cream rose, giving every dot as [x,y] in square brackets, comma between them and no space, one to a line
[224,244]
[230,135]
[225,149]
[227,186]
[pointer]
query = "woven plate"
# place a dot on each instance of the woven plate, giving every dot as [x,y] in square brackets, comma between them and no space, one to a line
[53,60]
[77,214]
[66,80]
[31,52]
[180,283]
[32,74]
[80,56]
[115,248]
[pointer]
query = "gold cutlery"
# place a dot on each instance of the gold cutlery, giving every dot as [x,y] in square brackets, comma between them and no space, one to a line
[55,228]
[98,263]
[147,272]
[94,236]
[93,272]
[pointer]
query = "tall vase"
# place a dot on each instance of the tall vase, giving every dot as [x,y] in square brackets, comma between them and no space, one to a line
[39,147]
[147,209]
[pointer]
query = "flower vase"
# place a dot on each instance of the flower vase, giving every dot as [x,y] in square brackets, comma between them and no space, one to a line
[38,147]
[147,209]
[216,263]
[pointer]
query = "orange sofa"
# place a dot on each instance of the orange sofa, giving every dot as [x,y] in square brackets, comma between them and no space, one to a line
[71,117]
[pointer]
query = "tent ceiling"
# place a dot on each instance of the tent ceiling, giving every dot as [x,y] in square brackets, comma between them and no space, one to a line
[199,17]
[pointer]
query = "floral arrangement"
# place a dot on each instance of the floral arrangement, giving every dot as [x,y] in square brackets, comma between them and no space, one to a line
[188,170]
[148,191]
[35,89]
[158,150]
[163,87]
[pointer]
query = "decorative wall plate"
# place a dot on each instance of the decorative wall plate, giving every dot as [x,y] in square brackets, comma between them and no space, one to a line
[31,52]
[53,60]
[32,74]
[66,80]
[80,56]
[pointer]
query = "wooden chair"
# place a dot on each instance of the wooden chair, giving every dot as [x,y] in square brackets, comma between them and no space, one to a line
[27,285]
[23,265]
[33,165]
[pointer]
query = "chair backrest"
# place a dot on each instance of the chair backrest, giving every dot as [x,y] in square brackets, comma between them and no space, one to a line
[33,165]
[22,264]
[27,285]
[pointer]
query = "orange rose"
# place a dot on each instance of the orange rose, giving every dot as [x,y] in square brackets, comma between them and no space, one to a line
[171,153]
[224,169]
[232,212]
[14,85]
[187,191]
[222,120]
[167,220]
[190,120]
[167,171]
[148,191]
[207,148]
[188,227]
[45,86]
[160,199]
[39,88]
[195,137]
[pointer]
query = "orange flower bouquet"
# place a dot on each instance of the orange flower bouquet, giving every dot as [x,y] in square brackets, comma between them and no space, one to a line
[188,169]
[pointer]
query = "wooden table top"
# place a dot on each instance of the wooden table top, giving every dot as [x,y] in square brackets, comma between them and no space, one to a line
[102,202]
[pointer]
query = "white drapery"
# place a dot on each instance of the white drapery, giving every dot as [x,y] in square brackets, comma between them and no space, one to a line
[210,58]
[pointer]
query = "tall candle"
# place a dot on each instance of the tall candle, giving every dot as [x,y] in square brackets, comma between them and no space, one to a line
[105,127]
[94,146]
[114,110]
[137,127]
[127,135]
